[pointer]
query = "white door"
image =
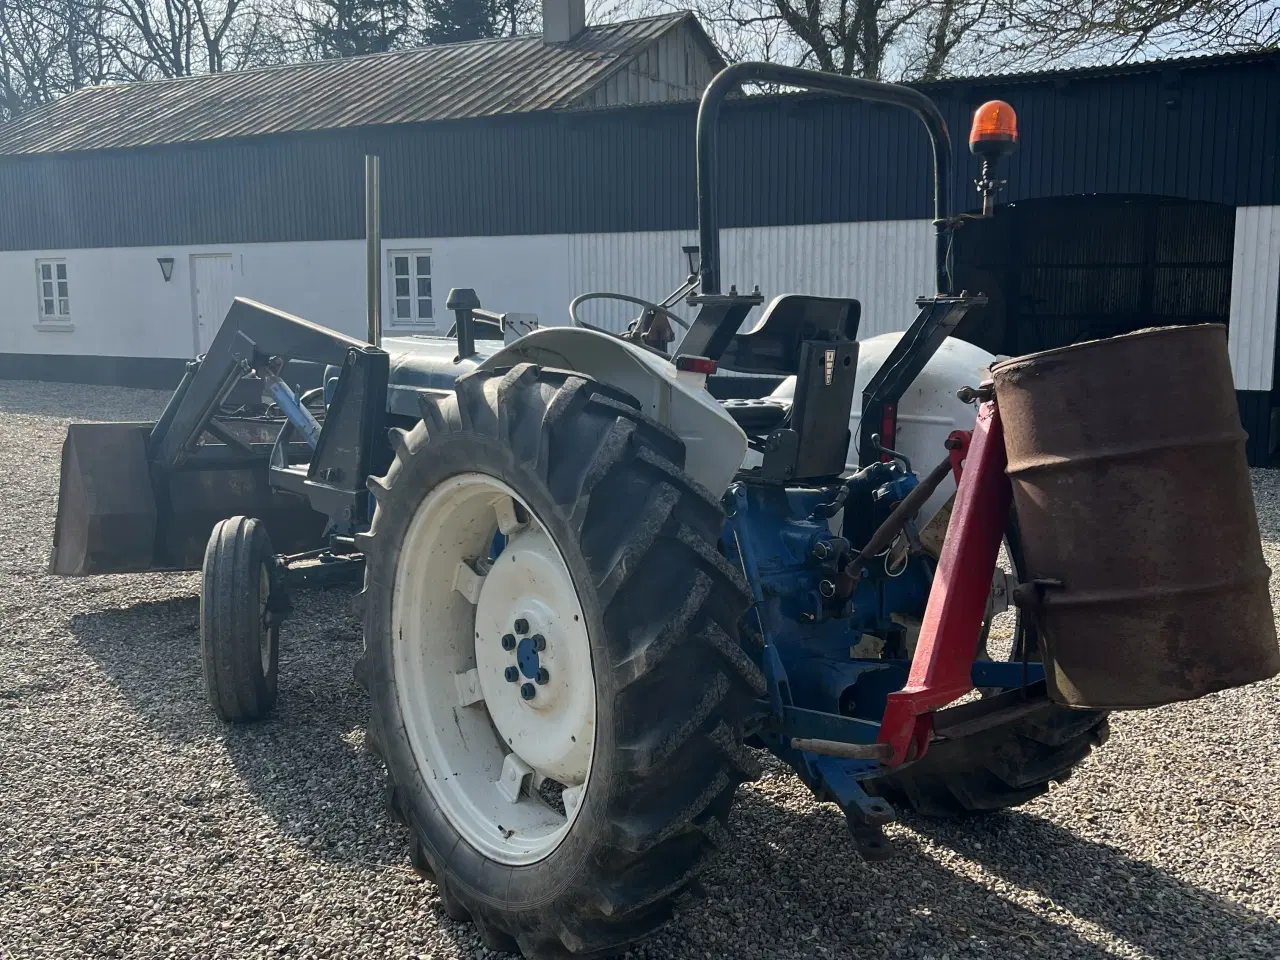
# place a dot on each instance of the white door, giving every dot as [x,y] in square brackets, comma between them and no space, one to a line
[212,290]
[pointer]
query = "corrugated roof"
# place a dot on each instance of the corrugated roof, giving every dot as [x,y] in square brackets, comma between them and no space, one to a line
[452,81]
[1113,70]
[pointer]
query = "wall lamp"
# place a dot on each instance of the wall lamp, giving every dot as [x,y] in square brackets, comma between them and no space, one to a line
[166,267]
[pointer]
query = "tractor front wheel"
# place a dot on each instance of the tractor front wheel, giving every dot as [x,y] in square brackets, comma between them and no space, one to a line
[239,633]
[551,653]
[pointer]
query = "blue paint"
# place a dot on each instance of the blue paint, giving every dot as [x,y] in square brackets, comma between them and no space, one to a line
[817,689]
[527,657]
[296,413]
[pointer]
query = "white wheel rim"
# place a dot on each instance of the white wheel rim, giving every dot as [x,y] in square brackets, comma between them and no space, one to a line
[482,748]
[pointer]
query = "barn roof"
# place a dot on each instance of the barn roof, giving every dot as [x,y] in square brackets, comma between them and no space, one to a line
[454,81]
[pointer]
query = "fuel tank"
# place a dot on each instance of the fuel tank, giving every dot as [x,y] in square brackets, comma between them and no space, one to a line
[1136,516]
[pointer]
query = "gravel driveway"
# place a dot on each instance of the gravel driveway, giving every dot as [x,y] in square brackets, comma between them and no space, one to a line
[134,824]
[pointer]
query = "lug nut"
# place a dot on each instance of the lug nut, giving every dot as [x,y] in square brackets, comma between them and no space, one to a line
[527,691]
[508,642]
[522,625]
[539,642]
[543,676]
[511,674]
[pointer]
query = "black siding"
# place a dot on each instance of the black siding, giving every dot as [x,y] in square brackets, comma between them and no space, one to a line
[1208,133]
[1255,417]
[156,373]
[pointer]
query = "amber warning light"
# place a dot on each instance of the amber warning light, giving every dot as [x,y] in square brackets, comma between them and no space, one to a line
[995,130]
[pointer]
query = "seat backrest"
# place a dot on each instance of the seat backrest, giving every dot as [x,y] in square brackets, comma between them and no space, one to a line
[773,344]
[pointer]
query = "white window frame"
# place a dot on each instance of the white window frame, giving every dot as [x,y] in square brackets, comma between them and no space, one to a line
[421,309]
[58,289]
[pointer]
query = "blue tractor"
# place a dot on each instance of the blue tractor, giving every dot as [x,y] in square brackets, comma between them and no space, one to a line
[593,592]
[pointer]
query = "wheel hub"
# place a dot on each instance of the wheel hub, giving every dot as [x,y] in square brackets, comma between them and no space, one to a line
[547,714]
[527,658]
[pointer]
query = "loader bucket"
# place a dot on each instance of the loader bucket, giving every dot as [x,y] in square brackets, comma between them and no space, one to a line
[117,513]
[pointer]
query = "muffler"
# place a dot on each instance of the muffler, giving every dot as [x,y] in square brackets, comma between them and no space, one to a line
[1136,517]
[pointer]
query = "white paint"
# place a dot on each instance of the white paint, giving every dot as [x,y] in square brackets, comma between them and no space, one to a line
[467,684]
[927,412]
[516,775]
[463,753]
[212,282]
[714,444]
[1255,292]
[467,582]
[883,264]
[124,307]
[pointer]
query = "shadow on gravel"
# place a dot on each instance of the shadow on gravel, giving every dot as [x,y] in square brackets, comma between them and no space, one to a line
[1143,904]
[802,867]
[305,764]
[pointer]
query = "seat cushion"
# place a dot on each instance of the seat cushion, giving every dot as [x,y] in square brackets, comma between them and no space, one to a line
[757,416]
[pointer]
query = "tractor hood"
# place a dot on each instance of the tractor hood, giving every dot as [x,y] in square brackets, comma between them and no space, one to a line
[422,363]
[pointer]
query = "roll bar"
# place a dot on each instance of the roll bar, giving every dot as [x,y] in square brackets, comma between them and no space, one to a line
[732,78]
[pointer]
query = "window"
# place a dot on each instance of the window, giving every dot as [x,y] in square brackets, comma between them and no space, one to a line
[55,300]
[411,287]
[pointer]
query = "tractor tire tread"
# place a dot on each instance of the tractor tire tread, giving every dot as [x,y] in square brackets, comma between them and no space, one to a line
[236,686]
[995,769]
[670,605]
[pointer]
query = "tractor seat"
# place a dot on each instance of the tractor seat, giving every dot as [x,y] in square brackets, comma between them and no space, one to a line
[757,416]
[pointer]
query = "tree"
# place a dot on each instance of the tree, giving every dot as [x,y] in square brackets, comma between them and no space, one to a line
[932,39]
[1093,31]
[453,21]
[152,39]
[49,48]
[348,28]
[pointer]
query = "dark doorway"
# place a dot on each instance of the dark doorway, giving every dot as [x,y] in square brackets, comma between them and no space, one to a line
[1063,269]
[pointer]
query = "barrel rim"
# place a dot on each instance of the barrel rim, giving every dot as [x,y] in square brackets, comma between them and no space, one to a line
[1001,366]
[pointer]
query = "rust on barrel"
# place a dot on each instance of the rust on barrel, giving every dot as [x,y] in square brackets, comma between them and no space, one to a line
[1135,509]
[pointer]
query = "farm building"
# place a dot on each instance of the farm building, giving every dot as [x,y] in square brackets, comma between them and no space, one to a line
[537,168]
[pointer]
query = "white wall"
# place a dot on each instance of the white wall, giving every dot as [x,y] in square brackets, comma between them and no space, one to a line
[121,305]
[884,264]
[1255,285]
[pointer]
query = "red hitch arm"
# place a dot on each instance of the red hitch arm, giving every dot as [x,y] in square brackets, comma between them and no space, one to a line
[941,670]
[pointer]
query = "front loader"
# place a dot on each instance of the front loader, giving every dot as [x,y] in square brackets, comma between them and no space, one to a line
[592,591]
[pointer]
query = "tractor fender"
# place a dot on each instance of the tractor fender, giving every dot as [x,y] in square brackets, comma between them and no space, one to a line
[714,444]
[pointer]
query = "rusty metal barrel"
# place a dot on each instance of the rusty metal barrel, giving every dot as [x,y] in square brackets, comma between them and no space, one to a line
[1136,518]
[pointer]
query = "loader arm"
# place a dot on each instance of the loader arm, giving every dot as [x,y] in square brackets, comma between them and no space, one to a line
[251,333]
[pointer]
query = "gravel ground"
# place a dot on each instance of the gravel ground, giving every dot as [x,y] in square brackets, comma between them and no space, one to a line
[134,824]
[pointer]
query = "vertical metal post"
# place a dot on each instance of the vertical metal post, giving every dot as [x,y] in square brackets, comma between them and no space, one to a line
[373,245]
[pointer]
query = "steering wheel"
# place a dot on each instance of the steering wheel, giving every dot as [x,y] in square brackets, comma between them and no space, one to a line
[648,305]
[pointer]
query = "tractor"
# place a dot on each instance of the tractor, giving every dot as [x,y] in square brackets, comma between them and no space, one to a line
[593,592]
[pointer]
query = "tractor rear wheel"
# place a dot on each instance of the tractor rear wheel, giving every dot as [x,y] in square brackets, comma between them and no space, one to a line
[997,768]
[551,653]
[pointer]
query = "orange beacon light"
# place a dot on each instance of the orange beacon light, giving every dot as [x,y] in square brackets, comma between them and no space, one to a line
[995,130]
[994,134]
